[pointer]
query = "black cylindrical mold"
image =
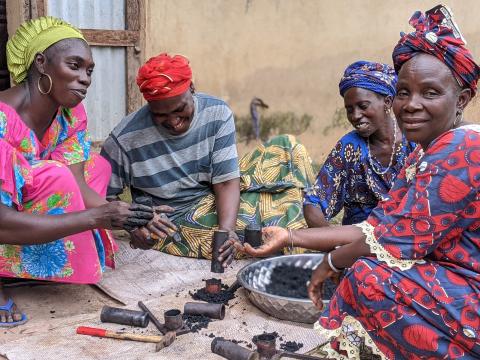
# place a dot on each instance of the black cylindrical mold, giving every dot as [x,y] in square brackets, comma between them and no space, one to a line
[234,287]
[124,316]
[232,351]
[173,319]
[219,238]
[253,235]
[213,311]
[266,345]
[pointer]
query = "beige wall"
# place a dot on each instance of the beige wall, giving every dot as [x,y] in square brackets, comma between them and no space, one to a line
[291,53]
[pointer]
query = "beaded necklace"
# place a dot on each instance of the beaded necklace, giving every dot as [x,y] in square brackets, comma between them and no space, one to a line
[370,156]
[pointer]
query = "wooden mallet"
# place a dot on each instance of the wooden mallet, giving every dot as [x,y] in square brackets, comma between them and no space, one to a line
[164,340]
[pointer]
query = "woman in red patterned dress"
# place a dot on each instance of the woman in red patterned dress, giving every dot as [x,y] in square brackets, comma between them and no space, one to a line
[412,290]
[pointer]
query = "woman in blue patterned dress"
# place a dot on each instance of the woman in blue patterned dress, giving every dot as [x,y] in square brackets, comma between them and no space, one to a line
[364,163]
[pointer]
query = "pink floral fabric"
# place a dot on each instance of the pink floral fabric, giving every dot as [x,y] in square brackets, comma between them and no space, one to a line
[34,177]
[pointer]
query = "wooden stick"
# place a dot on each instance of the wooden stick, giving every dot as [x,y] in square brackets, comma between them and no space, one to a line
[84,330]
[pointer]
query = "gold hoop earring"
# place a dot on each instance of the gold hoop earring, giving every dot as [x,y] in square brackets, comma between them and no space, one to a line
[39,86]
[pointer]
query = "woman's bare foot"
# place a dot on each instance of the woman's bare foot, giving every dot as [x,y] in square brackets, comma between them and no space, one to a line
[6,316]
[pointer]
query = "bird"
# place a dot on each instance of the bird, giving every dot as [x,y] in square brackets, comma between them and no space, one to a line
[254,105]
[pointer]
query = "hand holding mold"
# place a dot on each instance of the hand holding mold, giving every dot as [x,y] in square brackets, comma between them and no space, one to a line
[274,240]
[228,250]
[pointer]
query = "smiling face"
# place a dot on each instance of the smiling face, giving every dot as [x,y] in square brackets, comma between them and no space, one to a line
[428,99]
[70,64]
[365,110]
[173,114]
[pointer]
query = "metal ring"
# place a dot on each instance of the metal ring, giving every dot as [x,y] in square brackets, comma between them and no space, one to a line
[329,260]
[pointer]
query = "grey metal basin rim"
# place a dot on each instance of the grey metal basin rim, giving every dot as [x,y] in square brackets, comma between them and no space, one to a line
[247,286]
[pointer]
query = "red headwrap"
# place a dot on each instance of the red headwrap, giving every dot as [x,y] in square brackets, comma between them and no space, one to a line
[437,34]
[164,76]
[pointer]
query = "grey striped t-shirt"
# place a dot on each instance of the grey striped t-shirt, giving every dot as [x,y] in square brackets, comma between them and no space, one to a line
[175,170]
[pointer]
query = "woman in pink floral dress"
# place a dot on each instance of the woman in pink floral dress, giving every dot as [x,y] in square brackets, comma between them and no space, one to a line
[46,166]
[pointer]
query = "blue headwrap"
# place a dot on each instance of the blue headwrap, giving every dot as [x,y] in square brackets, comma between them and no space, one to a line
[376,77]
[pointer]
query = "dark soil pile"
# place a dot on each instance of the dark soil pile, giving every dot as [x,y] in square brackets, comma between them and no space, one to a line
[223,297]
[291,346]
[196,322]
[291,281]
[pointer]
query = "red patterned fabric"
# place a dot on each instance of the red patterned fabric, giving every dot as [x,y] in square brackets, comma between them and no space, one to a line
[432,214]
[164,76]
[435,36]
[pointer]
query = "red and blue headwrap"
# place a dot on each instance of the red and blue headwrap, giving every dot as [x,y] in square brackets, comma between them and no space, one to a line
[376,77]
[437,34]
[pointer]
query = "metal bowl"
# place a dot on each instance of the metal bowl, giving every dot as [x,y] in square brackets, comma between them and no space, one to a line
[254,278]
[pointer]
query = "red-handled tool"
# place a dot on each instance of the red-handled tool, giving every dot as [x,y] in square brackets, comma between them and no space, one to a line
[85,330]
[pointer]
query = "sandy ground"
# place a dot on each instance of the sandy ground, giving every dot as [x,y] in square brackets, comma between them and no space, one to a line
[44,304]
[48,305]
[55,311]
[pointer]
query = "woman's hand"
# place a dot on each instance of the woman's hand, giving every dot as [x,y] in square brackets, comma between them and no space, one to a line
[121,215]
[229,249]
[315,288]
[274,239]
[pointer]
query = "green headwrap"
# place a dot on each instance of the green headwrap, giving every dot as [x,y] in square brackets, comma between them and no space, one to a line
[32,37]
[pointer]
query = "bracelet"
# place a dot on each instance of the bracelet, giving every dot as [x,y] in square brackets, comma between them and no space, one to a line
[290,238]
[329,260]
